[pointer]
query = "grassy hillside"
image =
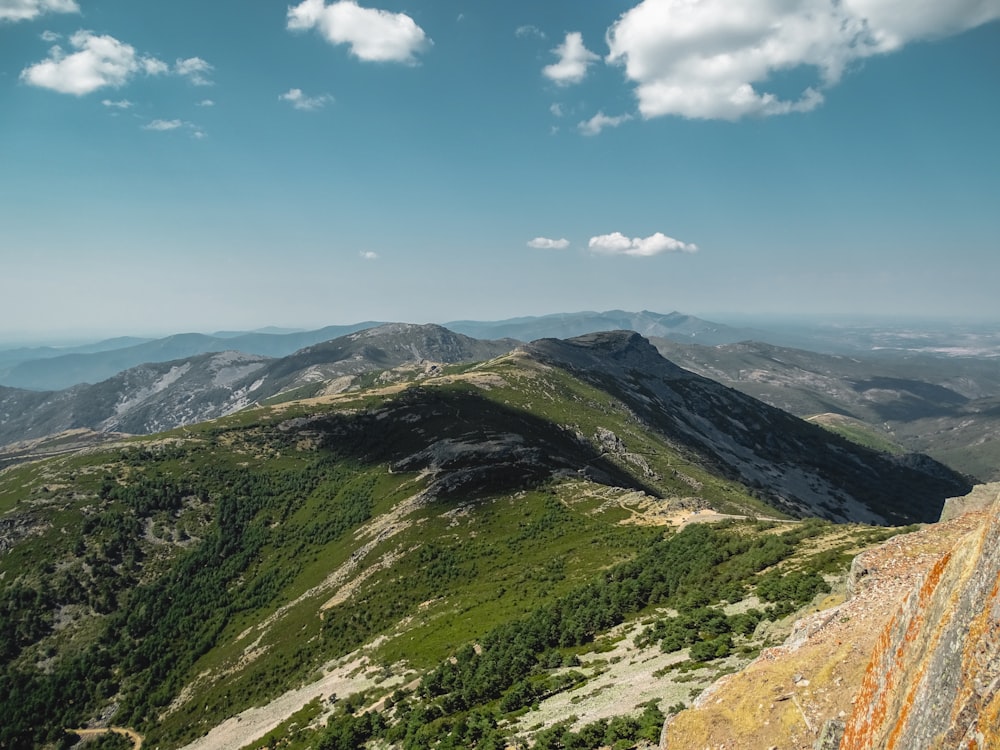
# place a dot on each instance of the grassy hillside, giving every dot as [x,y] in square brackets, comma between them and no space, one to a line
[449,549]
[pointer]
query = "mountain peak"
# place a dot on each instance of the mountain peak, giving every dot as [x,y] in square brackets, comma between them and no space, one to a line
[605,351]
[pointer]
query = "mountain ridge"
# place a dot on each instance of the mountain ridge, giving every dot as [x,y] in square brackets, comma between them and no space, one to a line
[743,430]
[56,369]
[159,396]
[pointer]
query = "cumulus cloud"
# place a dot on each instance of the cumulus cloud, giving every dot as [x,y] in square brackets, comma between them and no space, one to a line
[598,122]
[368,255]
[99,61]
[713,59]
[49,36]
[195,70]
[617,243]
[544,243]
[303,102]
[373,35]
[26,10]
[574,59]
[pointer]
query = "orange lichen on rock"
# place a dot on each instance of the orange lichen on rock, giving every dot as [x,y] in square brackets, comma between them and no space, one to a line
[933,678]
[912,659]
[830,650]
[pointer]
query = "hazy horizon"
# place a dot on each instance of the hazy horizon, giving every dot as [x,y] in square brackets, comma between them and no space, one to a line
[816,322]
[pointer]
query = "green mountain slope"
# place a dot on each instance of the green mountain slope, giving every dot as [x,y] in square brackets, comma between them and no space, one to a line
[443,551]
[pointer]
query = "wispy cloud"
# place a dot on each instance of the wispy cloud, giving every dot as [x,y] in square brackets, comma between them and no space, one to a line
[303,102]
[205,103]
[48,36]
[574,59]
[544,243]
[373,35]
[368,255]
[528,31]
[598,122]
[166,126]
[26,10]
[163,125]
[617,243]
[713,59]
[99,61]
[120,104]
[195,70]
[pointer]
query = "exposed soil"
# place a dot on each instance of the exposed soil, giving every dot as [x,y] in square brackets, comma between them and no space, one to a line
[131,734]
[341,678]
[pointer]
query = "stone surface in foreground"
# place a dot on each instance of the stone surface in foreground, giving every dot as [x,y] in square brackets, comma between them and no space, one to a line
[786,696]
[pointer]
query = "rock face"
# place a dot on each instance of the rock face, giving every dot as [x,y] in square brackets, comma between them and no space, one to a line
[934,674]
[910,661]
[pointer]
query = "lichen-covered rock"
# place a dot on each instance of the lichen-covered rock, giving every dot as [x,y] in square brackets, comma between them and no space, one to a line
[934,674]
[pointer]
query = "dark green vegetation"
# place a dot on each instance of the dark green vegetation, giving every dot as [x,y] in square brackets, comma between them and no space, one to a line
[467,530]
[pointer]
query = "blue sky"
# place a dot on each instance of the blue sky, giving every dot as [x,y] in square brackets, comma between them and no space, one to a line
[230,165]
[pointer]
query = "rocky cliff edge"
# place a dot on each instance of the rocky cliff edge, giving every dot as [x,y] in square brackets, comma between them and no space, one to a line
[911,660]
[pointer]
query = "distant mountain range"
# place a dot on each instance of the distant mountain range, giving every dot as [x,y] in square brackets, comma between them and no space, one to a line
[159,396]
[947,407]
[675,326]
[51,369]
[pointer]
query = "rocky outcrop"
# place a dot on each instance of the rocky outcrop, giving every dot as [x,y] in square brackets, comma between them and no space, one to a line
[934,674]
[910,661]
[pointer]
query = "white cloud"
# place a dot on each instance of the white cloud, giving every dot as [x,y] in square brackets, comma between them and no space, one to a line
[598,122]
[195,70]
[49,36]
[529,30]
[303,102]
[574,59]
[373,35]
[99,61]
[164,125]
[26,10]
[120,104]
[205,103]
[544,243]
[556,109]
[617,243]
[368,255]
[713,59]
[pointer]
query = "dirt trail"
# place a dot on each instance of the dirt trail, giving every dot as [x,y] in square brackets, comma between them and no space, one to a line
[131,734]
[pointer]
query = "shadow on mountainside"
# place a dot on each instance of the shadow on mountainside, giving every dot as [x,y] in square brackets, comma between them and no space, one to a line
[472,445]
